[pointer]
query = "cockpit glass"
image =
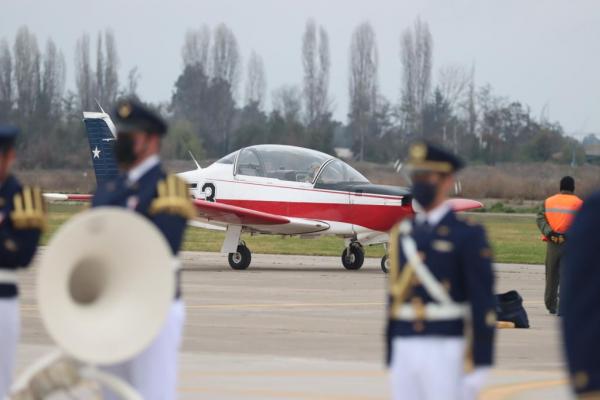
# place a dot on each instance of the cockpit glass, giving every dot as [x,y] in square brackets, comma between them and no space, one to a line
[339,172]
[228,159]
[281,162]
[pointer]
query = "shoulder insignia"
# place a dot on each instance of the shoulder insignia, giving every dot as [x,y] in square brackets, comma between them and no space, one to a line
[173,198]
[29,209]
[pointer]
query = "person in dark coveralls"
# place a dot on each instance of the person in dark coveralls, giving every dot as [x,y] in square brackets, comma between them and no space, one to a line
[441,303]
[22,219]
[143,187]
[554,220]
[580,301]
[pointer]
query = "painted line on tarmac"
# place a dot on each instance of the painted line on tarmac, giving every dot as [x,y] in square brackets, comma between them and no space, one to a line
[262,393]
[281,305]
[287,374]
[504,392]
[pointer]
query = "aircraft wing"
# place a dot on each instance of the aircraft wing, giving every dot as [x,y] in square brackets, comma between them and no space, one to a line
[67,197]
[464,204]
[224,214]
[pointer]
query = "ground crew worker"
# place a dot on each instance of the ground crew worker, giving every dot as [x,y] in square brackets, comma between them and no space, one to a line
[580,280]
[22,219]
[441,302]
[553,221]
[144,188]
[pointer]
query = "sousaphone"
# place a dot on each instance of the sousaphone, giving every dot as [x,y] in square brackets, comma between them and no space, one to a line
[104,288]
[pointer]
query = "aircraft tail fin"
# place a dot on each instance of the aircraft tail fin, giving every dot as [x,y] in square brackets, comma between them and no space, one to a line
[101,134]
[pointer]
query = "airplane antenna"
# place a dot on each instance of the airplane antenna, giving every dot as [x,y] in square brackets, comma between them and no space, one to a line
[99,106]
[194,159]
[399,167]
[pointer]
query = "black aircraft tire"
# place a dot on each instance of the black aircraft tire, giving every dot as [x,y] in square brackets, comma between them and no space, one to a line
[241,259]
[355,259]
[385,264]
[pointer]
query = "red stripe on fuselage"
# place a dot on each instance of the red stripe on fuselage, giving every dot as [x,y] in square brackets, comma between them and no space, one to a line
[376,217]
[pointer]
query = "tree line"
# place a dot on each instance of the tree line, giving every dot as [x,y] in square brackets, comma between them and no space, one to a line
[211,115]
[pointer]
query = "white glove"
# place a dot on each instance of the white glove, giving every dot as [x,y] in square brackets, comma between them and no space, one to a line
[473,382]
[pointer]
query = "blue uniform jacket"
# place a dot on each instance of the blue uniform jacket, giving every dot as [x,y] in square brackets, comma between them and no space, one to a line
[17,245]
[458,255]
[580,298]
[139,197]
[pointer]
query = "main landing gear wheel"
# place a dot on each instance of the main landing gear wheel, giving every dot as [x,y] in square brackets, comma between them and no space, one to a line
[385,264]
[240,259]
[354,258]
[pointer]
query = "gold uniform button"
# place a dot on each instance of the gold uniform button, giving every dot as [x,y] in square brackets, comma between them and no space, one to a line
[490,318]
[580,380]
[10,245]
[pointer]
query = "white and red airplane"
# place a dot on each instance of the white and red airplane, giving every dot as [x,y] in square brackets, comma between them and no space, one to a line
[278,190]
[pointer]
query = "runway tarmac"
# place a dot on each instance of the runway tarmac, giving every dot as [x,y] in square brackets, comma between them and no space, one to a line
[299,327]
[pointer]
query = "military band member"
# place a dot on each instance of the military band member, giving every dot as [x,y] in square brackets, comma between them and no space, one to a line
[580,282]
[143,187]
[22,219]
[441,303]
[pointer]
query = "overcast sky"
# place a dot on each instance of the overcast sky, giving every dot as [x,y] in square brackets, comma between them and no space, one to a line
[541,52]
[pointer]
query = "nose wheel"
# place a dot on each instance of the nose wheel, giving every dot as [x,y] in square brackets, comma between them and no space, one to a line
[385,264]
[353,256]
[241,258]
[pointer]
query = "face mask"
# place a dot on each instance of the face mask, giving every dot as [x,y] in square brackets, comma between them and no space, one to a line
[124,152]
[424,193]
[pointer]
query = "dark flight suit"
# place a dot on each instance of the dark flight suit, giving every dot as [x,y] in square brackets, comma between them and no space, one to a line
[22,219]
[581,300]
[458,255]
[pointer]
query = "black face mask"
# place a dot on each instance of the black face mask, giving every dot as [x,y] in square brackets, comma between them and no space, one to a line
[424,193]
[124,152]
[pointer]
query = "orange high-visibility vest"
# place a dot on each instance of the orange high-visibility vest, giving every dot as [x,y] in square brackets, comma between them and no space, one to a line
[560,211]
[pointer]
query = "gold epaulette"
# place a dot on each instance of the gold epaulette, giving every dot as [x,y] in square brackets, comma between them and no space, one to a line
[29,209]
[173,198]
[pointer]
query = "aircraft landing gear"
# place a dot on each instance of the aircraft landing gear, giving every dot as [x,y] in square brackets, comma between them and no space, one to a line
[241,258]
[385,264]
[353,256]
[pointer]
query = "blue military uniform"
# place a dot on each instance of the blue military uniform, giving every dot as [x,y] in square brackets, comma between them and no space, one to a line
[164,200]
[580,298]
[441,305]
[22,219]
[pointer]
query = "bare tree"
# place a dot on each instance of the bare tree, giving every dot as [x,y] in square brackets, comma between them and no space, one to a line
[225,61]
[256,82]
[27,71]
[416,56]
[99,82]
[111,68]
[287,101]
[316,64]
[133,78]
[363,82]
[6,80]
[453,83]
[84,76]
[196,47]
[52,81]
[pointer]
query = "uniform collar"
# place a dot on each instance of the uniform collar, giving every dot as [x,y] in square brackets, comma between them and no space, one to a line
[141,169]
[434,216]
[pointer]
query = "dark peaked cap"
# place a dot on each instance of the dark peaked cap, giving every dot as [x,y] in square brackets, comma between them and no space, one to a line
[426,157]
[8,134]
[130,115]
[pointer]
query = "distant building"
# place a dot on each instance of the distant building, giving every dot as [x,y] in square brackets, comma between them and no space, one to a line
[591,146]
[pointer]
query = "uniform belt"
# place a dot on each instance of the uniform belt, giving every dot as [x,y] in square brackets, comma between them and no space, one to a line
[433,312]
[8,277]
